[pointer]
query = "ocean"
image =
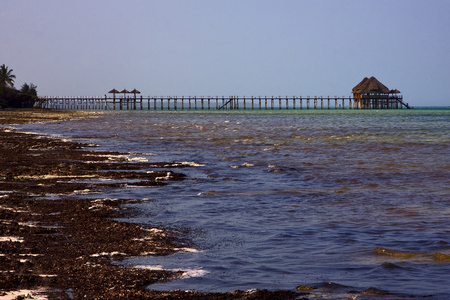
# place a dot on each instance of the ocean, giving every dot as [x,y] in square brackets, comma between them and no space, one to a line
[336,200]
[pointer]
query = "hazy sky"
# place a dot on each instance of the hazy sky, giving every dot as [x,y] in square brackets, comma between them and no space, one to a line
[228,47]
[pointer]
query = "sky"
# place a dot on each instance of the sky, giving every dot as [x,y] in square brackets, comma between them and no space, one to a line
[228,47]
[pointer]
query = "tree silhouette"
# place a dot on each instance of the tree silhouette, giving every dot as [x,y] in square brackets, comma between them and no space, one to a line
[29,89]
[10,97]
[6,76]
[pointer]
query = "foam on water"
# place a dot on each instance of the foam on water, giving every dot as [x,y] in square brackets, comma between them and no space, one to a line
[187,273]
[12,239]
[275,199]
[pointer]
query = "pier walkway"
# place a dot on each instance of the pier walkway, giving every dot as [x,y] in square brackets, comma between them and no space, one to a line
[220,103]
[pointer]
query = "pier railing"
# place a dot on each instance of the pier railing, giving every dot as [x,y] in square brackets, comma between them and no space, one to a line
[219,103]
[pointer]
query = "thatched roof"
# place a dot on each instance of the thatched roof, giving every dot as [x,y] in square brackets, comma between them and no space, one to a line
[370,86]
[124,91]
[113,91]
[135,91]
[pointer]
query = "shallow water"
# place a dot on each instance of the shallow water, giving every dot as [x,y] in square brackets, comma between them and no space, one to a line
[282,198]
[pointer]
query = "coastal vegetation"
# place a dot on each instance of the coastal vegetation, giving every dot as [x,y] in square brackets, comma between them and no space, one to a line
[10,97]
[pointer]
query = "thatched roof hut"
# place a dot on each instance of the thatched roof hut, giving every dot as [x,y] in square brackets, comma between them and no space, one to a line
[370,93]
[370,86]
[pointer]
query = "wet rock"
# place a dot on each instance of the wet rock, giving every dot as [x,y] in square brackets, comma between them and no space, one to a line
[374,291]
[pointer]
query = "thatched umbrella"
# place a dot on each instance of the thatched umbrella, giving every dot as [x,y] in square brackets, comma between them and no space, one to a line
[124,91]
[114,92]
[394,91]
[135,91]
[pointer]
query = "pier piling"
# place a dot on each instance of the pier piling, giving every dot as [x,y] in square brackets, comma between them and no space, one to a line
[221,103]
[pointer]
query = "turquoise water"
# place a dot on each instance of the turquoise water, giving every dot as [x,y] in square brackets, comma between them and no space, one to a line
[277,199]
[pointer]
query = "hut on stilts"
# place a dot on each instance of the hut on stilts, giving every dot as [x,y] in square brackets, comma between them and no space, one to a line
[372,94]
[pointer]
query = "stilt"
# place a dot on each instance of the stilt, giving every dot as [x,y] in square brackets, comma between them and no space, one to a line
[231,103]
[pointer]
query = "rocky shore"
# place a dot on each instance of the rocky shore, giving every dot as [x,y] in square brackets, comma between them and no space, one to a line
[55,244]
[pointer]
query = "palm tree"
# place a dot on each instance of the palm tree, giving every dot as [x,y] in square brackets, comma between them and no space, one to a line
[6,76]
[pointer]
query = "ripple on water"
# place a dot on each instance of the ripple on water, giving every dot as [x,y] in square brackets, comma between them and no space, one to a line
[284,199]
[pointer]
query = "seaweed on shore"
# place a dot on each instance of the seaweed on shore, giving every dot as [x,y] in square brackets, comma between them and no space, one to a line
[64,247]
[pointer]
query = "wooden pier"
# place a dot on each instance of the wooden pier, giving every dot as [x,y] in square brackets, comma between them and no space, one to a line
[220,103]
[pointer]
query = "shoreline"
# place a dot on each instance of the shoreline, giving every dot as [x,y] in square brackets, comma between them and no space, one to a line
[56,245]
